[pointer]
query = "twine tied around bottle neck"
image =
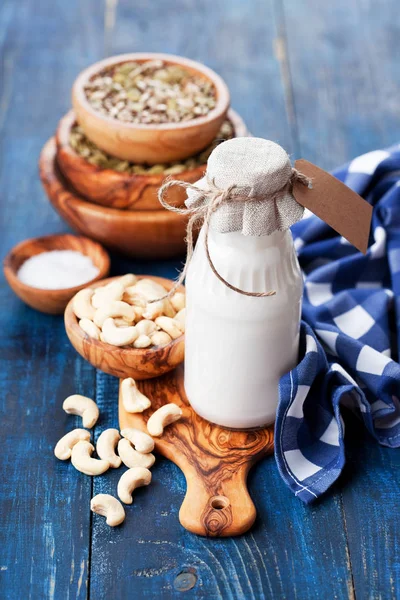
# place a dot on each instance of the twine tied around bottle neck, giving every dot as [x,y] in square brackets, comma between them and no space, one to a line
[201,214]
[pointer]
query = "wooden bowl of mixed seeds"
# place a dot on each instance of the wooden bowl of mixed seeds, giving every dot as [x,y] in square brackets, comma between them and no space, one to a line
[137,233]
[150,108]
[113,182]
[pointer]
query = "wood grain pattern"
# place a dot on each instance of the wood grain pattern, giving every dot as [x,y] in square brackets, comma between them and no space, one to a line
[342,93]
[214,460]
[340,62]
[45,532]
[121,190]
[52,302]
[144,234]
[151,144]
[123,361]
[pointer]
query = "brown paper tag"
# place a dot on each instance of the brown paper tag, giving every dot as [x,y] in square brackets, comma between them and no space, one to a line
[335,203]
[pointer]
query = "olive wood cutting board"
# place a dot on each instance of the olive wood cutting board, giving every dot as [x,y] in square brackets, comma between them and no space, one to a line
[214,460]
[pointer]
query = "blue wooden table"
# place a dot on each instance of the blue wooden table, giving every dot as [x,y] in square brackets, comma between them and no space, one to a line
[322,79]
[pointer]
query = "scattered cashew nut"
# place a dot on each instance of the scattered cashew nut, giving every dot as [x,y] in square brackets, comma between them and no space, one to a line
[118,336]
[132,399]
[132,458]
[83,406]
[109,507]
[169,326]
[63,448]
[139,439]
[130,480]
[105,447]
[90,328]
[114,309]
[82,460]
[82,305]
[167,414]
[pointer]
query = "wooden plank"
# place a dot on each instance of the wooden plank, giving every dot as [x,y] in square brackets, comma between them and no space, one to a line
[371,503]
[344,101]
[45,529]
[293,551]
[345,79]
[235,39]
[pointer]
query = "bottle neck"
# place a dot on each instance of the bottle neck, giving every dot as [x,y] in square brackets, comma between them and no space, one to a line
[245,243]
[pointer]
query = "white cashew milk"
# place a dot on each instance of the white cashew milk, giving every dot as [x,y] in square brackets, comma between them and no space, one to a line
[237,347]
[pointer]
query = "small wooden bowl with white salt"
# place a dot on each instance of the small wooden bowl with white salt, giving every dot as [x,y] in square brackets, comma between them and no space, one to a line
[69,262]
[126,361]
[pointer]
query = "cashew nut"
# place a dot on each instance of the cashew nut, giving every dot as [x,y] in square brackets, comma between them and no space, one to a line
[81,304]
[105,447]
[132,458]
[114,309]
[139,439]
[132,399]
[178,301]
[119,322]
[167,414]
[109,507]
[130,480]
[90,328]
[128,280]
[180,319]
[154,310]
[143,341]
[83,406]
[139,310]
[118,336]
[82,460]
[135,298]
[150,289]
[169,326]
[161,338]
[146,327]
[159,308]
[64,446]
[109,293]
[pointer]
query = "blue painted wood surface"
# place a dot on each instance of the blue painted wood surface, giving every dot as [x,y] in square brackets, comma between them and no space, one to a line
[323,80]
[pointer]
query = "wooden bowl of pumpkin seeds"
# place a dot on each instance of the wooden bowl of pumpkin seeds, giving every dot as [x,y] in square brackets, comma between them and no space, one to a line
[150,108]
[137,233]
[110,181]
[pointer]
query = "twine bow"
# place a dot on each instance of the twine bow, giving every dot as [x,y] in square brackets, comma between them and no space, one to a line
[213,198]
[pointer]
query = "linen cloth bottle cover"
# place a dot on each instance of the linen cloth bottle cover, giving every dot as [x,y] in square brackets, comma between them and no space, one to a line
[261,203]
[345,338]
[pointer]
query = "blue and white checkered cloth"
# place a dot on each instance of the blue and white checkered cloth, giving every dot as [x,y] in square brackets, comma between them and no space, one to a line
[349,335]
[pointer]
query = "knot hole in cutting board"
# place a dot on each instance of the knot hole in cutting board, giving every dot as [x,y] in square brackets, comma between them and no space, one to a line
[219,502]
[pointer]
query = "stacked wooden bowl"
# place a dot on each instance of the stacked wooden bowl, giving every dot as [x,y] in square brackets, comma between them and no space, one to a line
[118,209]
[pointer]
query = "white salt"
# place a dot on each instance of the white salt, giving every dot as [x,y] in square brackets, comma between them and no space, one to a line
[57,269]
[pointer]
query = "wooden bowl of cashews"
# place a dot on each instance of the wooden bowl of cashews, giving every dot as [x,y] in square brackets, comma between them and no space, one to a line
[116,328]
